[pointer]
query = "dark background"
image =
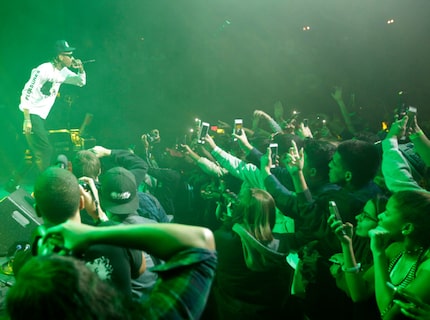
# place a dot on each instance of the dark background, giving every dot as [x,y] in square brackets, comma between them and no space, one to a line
[161,63]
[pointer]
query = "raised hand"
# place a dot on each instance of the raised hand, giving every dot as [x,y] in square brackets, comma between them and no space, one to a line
[379,238]
[100,151]
[243,140]
[337,94]
[398,128]
[295,159]
[75,236]
[342,230]
[209,141]
[303,132]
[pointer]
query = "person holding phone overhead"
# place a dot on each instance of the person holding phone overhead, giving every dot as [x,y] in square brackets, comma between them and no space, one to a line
[351,171]
[37,99]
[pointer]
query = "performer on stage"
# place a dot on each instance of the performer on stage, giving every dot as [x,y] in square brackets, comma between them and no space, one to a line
[37,99]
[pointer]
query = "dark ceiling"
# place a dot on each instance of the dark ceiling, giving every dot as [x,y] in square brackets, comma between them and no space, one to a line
[161,63]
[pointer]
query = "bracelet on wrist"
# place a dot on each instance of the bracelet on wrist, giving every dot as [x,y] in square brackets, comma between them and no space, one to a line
[355,269]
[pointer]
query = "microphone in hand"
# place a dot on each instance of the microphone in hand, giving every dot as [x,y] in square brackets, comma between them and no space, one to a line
[77,63]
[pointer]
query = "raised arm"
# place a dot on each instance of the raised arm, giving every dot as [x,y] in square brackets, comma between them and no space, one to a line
[420,141]
[337,96]
[395,168]
[274,126]
[236,167]
[161,240]
[207,166]
[126,159]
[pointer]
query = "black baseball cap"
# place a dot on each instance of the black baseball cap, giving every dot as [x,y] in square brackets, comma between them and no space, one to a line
[119,191]
[62,46]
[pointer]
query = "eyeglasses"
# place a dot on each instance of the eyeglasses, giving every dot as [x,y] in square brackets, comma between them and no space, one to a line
[366,215]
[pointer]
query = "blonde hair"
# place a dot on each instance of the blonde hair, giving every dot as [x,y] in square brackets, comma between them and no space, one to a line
[256,211]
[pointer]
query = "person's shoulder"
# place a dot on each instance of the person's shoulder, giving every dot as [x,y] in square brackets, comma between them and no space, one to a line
[46,66]
[333,192]
[394,249]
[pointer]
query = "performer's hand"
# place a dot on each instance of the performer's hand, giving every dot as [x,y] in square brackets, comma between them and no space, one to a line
[77,64]
[27,126]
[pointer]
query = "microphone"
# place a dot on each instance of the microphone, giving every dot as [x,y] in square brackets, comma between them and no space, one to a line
[62,161]
[75,65]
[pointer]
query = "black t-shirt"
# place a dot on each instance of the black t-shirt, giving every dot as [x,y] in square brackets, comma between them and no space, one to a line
[114,264]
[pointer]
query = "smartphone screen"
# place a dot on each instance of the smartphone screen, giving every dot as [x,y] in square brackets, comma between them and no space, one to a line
[204,130]
[238,125]
[333,210]
[274,149]
[411,112]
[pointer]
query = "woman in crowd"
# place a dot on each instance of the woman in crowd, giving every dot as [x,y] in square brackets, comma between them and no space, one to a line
[405,262]
[400,249]
[253,278]
[357,283]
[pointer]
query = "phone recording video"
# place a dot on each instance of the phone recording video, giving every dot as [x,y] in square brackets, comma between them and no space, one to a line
[334,210]
[204,130]
[411,112]
[238,126]
[274,152]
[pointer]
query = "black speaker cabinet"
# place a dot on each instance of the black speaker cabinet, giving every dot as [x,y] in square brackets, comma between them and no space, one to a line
[18,219]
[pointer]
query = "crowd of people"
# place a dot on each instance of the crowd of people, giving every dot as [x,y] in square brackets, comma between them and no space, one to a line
[222,226]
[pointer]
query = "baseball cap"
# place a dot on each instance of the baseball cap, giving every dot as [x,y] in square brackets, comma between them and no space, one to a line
[62,46]
[119,191]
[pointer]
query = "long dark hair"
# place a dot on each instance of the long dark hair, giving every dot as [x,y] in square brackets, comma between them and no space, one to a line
[414,206]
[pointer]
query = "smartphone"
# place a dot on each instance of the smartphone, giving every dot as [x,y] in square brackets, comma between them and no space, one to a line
[274,149]
[305,122]
[204,130]
[334,210]
[403,295]
[238,125]
[411,112]
[197,123]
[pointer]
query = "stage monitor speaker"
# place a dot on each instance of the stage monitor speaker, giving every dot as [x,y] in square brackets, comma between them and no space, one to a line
[18,219]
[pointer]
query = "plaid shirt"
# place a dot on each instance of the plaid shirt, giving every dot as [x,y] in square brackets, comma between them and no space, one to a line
[183,286]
